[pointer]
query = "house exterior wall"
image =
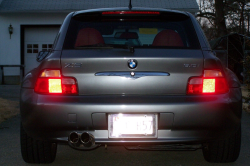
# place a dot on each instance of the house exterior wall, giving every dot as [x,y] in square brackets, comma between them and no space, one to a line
[10,49]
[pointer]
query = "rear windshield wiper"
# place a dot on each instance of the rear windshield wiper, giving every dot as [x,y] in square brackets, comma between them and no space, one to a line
[120,46]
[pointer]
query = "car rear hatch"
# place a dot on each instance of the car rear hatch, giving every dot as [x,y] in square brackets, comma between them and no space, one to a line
[139,53]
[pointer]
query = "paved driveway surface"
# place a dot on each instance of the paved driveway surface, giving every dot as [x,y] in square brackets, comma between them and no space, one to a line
[10,151]
[10,148]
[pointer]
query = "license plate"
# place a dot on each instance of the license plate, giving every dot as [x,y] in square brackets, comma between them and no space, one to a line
[132,125]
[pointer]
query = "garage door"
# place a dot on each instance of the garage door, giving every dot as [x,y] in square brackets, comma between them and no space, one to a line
[35,40]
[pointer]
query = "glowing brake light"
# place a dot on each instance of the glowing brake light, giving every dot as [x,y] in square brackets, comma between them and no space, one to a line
[208,86]
[55,86]
[130,12]
[212,82]
[51,82]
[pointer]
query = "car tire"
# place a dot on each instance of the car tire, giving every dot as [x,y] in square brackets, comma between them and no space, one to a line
[223,151]
[36,151]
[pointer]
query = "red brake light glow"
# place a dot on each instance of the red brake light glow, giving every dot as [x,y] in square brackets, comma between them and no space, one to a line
[130,12]
[55,86]
[212,82]
[208,86]
[51,82]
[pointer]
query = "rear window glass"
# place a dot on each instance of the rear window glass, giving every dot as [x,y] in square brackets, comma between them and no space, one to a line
[98,31]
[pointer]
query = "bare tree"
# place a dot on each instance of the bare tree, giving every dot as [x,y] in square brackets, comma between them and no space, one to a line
[213,11]
[224,16]
[237,15]
[220,18]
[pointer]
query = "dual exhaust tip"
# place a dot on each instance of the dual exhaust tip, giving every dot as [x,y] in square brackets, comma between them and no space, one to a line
[86,139]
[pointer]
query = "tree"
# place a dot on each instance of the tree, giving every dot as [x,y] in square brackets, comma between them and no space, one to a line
[224,16]
[220,18]
[213,11]
[237,12]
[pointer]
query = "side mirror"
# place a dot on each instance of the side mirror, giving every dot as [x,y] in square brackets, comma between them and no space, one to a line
[41,55]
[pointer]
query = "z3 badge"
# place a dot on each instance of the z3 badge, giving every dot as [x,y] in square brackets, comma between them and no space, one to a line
[71,65]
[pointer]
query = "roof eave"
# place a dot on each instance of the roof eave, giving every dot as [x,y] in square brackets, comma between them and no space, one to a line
[191,10]
[36,11]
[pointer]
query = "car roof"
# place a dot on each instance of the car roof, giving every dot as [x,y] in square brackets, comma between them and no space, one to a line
[127,9]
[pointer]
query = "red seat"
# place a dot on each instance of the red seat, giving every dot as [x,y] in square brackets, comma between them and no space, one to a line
[168,37]
[88,36]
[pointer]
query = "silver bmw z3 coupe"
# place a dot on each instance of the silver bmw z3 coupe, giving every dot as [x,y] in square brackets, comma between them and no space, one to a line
[141,78]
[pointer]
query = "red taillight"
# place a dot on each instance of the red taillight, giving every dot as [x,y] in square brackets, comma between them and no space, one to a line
[51,82]
[212,82]
[130,12]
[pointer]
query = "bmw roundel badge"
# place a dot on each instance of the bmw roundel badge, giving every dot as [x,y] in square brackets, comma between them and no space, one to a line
[132,63]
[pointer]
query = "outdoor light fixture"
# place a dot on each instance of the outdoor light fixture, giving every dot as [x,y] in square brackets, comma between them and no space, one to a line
[10,30]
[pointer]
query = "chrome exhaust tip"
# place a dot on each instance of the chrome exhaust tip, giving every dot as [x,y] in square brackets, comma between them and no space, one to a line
[74,138]
[82,141]
[87,139]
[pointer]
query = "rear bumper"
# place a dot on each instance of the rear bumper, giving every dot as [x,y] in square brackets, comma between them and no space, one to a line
[181,119]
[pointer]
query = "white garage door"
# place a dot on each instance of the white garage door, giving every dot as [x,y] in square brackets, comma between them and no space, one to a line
[37,39]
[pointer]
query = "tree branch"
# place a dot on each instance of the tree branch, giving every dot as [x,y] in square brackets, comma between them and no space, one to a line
[206,15]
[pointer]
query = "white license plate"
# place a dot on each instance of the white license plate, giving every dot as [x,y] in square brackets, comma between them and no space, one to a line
[132,125]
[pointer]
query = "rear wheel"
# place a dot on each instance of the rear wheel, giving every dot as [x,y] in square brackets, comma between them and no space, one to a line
[36,151]
[223,151]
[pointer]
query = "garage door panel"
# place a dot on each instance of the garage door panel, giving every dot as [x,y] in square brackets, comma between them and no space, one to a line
[40,34]
[37,39]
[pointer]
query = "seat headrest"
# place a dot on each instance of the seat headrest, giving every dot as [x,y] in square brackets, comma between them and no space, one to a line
[168,37]
[88,36]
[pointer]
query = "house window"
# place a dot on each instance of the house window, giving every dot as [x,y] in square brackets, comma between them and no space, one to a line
[32,48]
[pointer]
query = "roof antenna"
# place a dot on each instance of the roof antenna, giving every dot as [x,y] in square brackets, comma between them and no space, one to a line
[130,5]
